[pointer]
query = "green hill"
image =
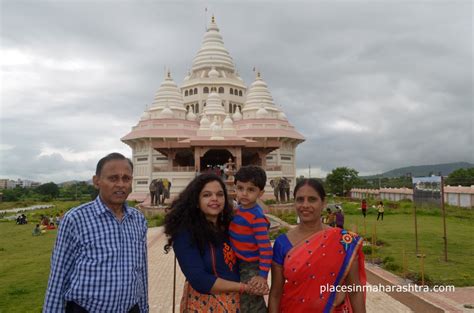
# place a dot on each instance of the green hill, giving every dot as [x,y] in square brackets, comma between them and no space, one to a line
[425,170]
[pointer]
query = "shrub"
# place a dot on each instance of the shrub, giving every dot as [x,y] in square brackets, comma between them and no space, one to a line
[393,267]
[281,230]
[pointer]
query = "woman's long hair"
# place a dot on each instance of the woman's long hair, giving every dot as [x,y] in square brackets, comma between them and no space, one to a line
[186,215]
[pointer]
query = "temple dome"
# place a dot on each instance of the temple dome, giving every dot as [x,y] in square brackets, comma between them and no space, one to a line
[214,105]
[213,73]
[166,113]
[282,116]
[227,124]
[168,95]
[204,123]
[237,116]
[191,116]
[258,93]
[213,52]
[262,112]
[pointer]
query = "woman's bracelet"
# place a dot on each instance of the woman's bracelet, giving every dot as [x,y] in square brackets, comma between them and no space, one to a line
[241,288]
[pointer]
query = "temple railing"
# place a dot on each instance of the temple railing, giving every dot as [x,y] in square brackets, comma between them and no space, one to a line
[174,169]
[273,168]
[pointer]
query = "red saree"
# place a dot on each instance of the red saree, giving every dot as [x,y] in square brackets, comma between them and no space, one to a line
[323,259]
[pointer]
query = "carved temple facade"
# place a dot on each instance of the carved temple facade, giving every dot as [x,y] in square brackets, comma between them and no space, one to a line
[211,118]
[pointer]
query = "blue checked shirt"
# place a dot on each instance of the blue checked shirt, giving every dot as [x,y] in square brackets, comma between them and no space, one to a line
[99,262]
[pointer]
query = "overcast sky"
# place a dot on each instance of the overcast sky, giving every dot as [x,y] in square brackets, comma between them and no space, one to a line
[373,85]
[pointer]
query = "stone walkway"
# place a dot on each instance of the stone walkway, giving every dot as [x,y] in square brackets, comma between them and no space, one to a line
[160,273]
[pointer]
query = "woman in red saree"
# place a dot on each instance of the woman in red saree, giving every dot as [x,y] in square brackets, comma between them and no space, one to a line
[314,263]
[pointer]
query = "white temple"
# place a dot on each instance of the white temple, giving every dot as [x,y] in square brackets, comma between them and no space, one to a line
[210,118]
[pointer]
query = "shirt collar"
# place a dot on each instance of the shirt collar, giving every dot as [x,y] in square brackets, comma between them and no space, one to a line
[101,208]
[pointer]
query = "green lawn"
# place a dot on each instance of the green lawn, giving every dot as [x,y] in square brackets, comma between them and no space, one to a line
[397,231]
[24,267]
[398,234]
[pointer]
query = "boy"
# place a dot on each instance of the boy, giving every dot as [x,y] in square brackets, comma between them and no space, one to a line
[249,236]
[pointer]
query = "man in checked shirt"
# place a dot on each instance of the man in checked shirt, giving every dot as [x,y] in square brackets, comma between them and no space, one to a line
[99,262]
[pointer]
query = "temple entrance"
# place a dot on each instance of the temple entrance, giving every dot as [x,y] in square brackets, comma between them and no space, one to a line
[251,157]
[184,158]
[215,158]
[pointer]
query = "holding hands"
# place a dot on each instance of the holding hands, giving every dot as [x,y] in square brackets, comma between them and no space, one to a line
[257,286]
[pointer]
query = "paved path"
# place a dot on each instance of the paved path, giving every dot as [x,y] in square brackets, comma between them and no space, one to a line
[161,284]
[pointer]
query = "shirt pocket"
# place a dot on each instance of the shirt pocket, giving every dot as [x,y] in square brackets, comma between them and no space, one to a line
[99,250]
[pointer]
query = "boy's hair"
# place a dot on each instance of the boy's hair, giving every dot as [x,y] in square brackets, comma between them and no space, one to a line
[252,173]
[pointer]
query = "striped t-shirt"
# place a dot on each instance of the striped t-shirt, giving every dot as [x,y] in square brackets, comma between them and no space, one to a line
[249,238]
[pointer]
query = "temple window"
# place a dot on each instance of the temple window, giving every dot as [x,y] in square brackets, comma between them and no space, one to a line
[190,92]
[221,89]
[186,93]
[206,89]
[231,91]
[240,93]
[195,91]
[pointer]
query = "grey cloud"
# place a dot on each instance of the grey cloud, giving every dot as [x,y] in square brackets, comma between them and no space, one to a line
[403,70]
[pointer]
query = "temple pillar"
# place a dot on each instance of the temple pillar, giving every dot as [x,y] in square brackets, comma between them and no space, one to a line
[197,159]
[263,156]
[238,157]
[150,161]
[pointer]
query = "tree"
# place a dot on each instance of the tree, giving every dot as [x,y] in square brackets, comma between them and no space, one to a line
[462,176]
[48,189]
[341,180]
[14,194]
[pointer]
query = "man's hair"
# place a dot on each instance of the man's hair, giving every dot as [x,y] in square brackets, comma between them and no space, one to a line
[110,157]
[253,174]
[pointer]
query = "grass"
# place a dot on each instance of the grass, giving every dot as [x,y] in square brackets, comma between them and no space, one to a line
[25,259]
[24,267]
[398,231]
[396,234]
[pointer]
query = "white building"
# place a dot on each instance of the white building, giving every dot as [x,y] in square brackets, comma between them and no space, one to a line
[210,118]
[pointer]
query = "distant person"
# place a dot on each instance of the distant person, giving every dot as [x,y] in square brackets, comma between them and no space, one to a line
[51,226]
[380,210]
[57,219]
[99,261]
[37,230]
[330,218]
[44,221]
[363,206]
[249,236]
[339,217]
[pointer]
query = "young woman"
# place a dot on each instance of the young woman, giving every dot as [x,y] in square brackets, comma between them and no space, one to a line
[197,229]
[380,210]
[313,258]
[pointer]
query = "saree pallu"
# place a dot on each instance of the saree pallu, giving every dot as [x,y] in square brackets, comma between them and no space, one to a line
[322,260]
[196,302]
